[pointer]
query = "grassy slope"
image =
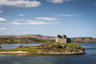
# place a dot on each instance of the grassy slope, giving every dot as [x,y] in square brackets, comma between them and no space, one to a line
[57,47]
[31,49]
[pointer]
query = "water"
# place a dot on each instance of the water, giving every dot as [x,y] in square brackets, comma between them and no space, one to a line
[89,58]
[12,46]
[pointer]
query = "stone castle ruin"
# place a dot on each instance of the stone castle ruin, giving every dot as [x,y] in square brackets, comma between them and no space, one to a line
[62,39]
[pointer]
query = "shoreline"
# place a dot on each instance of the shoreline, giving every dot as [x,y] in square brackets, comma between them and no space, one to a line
[15,52]
[41,54]
[55,48]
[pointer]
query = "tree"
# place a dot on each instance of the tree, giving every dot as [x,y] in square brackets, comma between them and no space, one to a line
[58,36]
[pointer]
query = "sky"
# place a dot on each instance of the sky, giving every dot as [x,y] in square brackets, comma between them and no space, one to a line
[75,18]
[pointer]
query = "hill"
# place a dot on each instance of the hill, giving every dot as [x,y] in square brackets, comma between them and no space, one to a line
[37,38]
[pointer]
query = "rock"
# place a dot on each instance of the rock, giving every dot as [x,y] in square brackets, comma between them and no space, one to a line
[0,48]
[58,48]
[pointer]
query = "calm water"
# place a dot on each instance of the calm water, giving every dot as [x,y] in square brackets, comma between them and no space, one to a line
[12,46]
[89,58]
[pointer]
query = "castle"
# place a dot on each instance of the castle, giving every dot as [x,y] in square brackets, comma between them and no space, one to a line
[62,39]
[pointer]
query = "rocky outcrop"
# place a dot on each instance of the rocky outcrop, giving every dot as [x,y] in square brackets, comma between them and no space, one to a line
[59,48]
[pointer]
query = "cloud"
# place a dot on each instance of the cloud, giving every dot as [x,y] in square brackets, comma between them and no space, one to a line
[32,22]
[17,23]
[40,22]
[19,20]
[58,1]
[68,15]
[1,11]
[2,29]
[21,14]
[94,3]
[45,18]
[25,32]
[36,22]
[20,3]
[2,19]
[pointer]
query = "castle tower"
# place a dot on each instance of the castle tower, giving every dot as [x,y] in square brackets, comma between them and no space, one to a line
[64,36]
[61,39]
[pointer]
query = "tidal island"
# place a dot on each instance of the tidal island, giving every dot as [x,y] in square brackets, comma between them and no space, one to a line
[61,46]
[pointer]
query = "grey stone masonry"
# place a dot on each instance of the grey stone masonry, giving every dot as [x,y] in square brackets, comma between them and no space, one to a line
[62,39]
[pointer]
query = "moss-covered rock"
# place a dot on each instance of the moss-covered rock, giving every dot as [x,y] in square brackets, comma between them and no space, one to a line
[62,48]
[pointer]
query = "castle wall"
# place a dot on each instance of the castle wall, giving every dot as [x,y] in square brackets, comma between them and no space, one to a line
[61,40]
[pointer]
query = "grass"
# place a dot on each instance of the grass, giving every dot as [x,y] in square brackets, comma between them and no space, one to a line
[31,49]
[66,44]
[49,48]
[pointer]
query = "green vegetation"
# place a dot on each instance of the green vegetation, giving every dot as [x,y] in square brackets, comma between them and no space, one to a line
[51,48]
[23,40]
[66,44]
[58,36]
[11,39]
[31,49]
[62,47]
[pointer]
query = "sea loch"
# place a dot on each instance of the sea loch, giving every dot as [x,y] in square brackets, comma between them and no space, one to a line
[89,58]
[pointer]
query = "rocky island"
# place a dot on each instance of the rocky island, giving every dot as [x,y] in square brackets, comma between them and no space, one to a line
[60,47]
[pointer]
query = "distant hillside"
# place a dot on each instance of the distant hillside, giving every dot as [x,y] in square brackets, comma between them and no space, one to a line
[37,36]
[83,40]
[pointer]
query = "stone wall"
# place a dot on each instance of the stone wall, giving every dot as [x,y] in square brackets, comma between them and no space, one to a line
[61,40]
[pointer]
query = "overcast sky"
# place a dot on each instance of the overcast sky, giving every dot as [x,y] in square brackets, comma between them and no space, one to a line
[74,18]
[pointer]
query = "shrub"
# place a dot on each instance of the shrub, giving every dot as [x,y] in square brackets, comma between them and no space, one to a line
[21,46]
